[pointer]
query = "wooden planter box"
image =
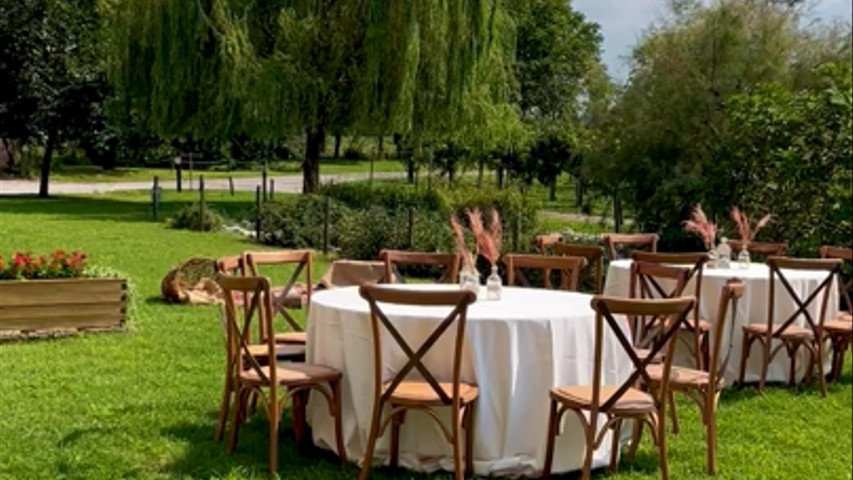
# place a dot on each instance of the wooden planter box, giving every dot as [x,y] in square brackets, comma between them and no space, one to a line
[62,304]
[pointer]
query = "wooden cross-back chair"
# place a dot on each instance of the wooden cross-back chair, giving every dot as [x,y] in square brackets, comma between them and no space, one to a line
[761,248]
[593,255]
[704,386]
[392,258]
[403,394]
[569,268]
[791,336]
[546,242]
[638,241]
[251,377]
[302,259]
[840,330]
[645,283]
[698,327]
[233,266]
[621,401]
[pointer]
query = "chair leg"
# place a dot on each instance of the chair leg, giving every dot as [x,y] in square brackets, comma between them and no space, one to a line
[821,377]
[224,409]
[588,451]
[371,440]
[743,358]
[299,401]
[636,435]
[765,361]
[468,422]
[552,437]
[614,446]
[240,395]
[396,421]
[792,373]
[458,467]
[711,425]
[274,414]
[706,350]
[662,459]
[672,413]
[338,418]
[836,349]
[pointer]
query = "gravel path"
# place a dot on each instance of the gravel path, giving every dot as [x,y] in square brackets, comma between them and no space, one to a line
[283,184]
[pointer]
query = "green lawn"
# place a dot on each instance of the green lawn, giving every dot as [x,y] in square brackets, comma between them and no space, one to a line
[327,166]
[143,403]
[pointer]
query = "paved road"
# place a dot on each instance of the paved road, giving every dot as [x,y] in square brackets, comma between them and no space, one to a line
[283,184]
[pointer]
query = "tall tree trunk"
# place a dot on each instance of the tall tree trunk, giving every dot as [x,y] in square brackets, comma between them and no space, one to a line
[410,176]
[552,195]
[617,212]
[45,166]
[311,164]
[578,192]
[380,147]
[500,177]
[337,145]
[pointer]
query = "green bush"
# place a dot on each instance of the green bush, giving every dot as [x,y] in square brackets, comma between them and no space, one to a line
[351,153]
[297,222]
[190,218]
[364,233]
[391,195]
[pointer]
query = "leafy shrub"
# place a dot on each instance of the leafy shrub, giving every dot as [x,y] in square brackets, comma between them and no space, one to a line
[364,233]
[297,222]
[190,218]
[392,195]
[351,153]
[59,264]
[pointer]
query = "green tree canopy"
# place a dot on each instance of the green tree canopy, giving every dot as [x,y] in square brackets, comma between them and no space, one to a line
[269,68]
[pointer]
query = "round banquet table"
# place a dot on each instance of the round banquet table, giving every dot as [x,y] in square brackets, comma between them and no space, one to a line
[752,308]
[515,350]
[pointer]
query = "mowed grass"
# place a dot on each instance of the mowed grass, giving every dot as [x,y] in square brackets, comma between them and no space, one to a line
[93,174]
[143,403]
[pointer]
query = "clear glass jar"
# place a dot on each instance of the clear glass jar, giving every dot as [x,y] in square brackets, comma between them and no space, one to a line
[469,280]
[713,258]
[494,285]
[743,259]
[724,252]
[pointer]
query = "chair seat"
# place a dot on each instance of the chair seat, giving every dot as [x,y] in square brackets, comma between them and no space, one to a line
[838,327]
[680,376]
[632,402]
[845,317]
[293,374]
[296,338]
[282,352]
[704,325]
[414,392]
[643,353]
[793,332]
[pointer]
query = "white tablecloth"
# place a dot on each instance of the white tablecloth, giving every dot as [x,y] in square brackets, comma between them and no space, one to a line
[516,350]
[752,308]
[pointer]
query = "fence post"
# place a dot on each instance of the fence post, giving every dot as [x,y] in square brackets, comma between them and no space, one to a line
[272,188]
[231,185]
[264,183]
[155,198]
[258,213]
[411,232]
[178,174]
[201,202]
[326,208]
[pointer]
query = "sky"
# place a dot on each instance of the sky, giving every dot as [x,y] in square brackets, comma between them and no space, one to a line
[623,22]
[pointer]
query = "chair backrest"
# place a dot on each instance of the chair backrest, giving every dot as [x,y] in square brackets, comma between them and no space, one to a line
[232,266]
[832,267]
[761,248]
[672,311]
[695,263]
[647,241]
[348,273]
[239,330]
[459,300]
[569,268]
[594,256]
[846,255]
[392,258]
[543,242]
[302,259]
[645,284]
[731,293]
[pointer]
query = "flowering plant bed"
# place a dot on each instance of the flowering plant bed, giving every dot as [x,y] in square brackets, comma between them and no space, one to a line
[51,295]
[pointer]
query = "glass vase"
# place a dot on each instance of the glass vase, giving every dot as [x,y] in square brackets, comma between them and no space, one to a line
[494,285]
[713,258]
[743,259]
[469,280]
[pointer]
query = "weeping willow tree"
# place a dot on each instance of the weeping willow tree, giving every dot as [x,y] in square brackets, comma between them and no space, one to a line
[266,69]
